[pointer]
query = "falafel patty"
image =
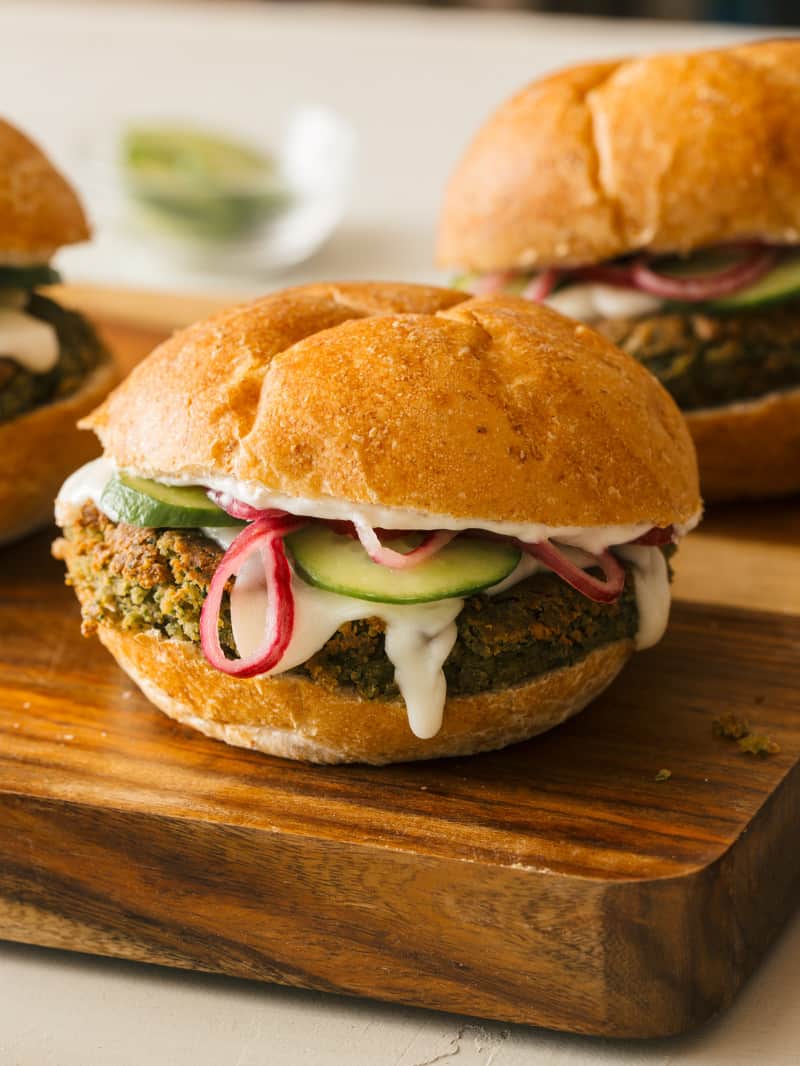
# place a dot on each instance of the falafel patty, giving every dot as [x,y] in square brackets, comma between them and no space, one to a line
[140,579]
[708,359]
[79,352]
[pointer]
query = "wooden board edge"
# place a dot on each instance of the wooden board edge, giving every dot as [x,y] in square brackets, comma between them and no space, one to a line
[512,944]
[725,917]
[147,309]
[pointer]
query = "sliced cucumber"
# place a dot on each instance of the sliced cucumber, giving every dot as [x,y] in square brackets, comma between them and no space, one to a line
[782,283]
[339,564]
[141,502]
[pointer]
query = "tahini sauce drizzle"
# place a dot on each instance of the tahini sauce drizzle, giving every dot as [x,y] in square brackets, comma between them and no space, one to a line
[418,638]
[588,301]
[26,339]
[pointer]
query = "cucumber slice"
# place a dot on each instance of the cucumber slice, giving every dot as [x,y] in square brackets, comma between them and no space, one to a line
[782,283]
[339,564]
[141,502]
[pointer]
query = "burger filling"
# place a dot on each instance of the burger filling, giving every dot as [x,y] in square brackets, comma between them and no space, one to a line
[720,326]
[381,613]
[46,351]
[140,579]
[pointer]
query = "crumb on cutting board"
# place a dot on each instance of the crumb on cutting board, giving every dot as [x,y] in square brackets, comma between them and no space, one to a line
[732,727]
[759,744]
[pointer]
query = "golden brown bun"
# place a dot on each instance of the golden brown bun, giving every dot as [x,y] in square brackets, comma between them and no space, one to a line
[297,719]
[39,211]
[668,152]
[412,397]
[39,449]
[749,449]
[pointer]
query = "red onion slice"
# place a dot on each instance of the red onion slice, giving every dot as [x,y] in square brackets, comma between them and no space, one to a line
[493,283]
[238,509]
[756,262]
[265,537]
[388,557]
[656,536]
[616,274]
[593,588]
[540,286]
[347,529]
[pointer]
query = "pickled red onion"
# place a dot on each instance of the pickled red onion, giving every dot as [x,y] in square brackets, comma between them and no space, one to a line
[431,543]
[265,537]
[643,274]
[238,509]
[493,283]
[593,588]
[755,264]
[616,274]
[540,286]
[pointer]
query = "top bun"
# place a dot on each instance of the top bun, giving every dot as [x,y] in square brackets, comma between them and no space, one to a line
[413,397]
[665,153]
[39,211]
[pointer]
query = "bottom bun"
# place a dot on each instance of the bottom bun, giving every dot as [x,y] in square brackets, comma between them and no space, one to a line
[297,719]
[40,448]
[749,449]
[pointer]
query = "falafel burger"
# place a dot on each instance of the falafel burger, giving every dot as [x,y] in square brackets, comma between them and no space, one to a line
[379,522]
[53,368]
[659,200]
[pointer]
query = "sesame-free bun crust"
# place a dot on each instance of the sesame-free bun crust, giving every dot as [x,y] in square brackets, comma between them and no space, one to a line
[665,153]
[411,397]
[39,449]
[297,719]
[39,211]
[749,449]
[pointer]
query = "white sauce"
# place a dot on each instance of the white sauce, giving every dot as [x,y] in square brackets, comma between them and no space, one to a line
[85,484]
[593,539]
[418,652]
[651,583]
[27,340]
[588,301]
[419,637]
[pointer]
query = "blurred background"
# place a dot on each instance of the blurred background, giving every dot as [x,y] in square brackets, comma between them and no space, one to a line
[232,146]
[778,12]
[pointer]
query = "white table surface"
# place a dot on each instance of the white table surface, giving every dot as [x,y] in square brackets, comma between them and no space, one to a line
[415,83]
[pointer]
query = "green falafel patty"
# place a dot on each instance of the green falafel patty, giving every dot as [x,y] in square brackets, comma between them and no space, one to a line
[79,352]
[143,579]
[708,359]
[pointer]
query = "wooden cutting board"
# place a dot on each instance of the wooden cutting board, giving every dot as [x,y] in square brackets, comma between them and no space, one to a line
[556,883]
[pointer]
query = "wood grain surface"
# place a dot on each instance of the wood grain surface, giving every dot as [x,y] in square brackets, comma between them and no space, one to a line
[557,882]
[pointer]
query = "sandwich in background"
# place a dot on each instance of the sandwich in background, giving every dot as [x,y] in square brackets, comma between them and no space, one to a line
[659,200]
[53,368]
